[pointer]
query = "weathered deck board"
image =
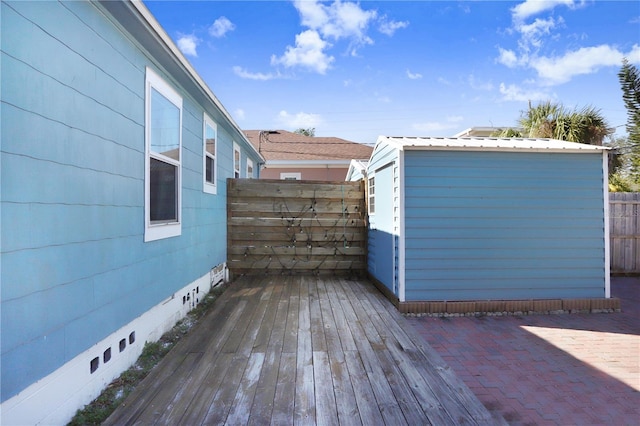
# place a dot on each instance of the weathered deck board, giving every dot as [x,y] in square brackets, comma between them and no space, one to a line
[301,350]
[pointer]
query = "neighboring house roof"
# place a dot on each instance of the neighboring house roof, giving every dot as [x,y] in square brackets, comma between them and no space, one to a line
[487,144]
[281,146]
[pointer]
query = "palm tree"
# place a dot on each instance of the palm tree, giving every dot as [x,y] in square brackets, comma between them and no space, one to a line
[509,132]
[311,131]
[550,120]
[629,77]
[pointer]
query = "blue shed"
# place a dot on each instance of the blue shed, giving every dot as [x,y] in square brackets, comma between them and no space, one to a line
[357,170]
[469,219]
[114,159]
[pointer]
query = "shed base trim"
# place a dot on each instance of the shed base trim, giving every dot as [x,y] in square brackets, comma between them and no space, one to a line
[509,307]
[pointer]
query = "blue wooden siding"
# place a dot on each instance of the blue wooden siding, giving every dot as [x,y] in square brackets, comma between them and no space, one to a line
[383,232]
[377,244]
[74,264]
[503,225]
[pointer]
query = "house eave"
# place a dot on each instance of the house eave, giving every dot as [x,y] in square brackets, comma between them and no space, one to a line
[133,15]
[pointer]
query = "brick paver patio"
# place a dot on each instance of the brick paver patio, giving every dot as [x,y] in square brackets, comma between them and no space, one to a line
[571,369]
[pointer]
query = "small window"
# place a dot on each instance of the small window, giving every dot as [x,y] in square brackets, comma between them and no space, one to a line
[236,161]
[249,168]
[94,364]
[290,176]
[106,356]
[163,135]
[372,195]
[210,138]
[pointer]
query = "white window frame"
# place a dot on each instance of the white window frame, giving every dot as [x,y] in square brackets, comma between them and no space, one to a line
[157,231]
[209,187]
[237,168]
[250,169]
[371,194]
[291,176]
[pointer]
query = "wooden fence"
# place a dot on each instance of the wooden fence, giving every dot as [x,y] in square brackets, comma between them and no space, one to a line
[279,226]
[624,230]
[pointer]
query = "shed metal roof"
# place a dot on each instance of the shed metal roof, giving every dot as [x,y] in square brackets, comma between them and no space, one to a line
[486,144]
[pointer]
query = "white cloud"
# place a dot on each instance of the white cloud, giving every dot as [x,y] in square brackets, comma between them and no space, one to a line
[188,44]
[586,60]
[350,21]
[479,85]
[515,93]
[240,114]
[412,76]
[390,27]
[634,54]
[534,7]
[432,126]
[220,27]
[532,34]
[558,68]
[308,52]
[337,20]
[312,13]
[340,20]
[438,126]
[299,120]
[507,58]
[241,72]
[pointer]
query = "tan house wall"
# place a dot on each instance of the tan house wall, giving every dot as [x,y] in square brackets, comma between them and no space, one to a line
[324,173]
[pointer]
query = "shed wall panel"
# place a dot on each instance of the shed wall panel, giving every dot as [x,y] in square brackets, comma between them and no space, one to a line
[378,241]
[502,225]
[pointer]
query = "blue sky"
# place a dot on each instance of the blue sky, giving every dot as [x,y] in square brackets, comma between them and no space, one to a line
[357,70]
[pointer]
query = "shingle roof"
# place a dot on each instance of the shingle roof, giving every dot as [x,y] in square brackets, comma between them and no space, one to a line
[284,145]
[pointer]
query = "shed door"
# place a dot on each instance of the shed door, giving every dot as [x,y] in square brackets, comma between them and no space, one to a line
[385,240]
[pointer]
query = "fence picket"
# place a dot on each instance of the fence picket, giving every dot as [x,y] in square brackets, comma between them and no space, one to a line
[278,226]
[624,232]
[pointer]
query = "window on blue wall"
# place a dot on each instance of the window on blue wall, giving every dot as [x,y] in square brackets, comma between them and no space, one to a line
[372,195]
[236,161]
[209,144]
[249,168]
[163,171]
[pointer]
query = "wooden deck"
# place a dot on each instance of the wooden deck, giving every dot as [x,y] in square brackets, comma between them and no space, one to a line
[302,350]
